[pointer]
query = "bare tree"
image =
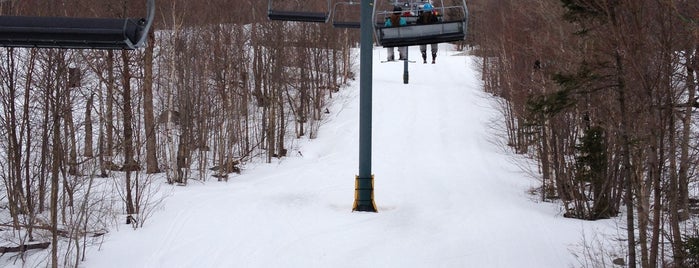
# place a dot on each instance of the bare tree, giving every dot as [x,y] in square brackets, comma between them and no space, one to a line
[148,116]
[216,88]
[598,81]
[130,163]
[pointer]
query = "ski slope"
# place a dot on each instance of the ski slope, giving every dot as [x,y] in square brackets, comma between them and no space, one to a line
[448,195]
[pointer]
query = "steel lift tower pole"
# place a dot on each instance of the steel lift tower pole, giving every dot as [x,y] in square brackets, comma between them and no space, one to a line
[364,182]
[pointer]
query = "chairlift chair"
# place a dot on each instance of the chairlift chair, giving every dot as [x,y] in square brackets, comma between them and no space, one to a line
[299,10]
[452,25]
[76,33]
[346,14]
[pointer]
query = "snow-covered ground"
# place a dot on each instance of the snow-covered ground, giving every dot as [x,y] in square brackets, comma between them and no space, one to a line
[448,194]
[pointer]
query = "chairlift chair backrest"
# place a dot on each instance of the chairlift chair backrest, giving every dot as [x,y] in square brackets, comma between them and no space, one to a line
[76,33]
[346,14]
[299,10]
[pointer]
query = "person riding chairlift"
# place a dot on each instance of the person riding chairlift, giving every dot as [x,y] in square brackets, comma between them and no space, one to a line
[396,20]
[427,16]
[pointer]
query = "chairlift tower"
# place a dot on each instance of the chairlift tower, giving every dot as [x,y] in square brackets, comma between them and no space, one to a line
[451,27]
[293,11]
[364,182]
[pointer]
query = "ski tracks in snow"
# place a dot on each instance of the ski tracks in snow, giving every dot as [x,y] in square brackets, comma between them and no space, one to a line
[447,196]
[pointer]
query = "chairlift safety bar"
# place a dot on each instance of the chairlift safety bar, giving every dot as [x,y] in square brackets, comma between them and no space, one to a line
[295,15]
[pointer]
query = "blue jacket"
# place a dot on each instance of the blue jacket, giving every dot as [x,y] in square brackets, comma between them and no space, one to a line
[402,22]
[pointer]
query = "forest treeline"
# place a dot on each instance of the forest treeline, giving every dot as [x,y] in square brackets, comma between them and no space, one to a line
[603,95]
[217,85]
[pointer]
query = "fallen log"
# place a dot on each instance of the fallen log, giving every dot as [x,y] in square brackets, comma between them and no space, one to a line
[62,233]
[25,247]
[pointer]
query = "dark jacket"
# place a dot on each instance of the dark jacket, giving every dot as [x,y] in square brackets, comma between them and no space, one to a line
[427,18]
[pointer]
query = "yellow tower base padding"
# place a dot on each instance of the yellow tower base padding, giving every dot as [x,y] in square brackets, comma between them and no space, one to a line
[364,194]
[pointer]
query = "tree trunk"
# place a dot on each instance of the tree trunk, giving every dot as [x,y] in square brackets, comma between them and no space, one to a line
[109,124]
[29,185]
[685,160]
[45,151]
[56,153]
[88,151]
[544,156]
[13,182]
[281,151]
[69,129]
[673,199]
[129,162]
[626,174]
[148,116]
[25,247]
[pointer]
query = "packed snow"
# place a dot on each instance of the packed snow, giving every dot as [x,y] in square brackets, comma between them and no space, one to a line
[449,194]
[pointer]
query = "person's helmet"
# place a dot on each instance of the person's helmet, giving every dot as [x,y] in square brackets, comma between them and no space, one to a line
[427,7]
[397,9]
